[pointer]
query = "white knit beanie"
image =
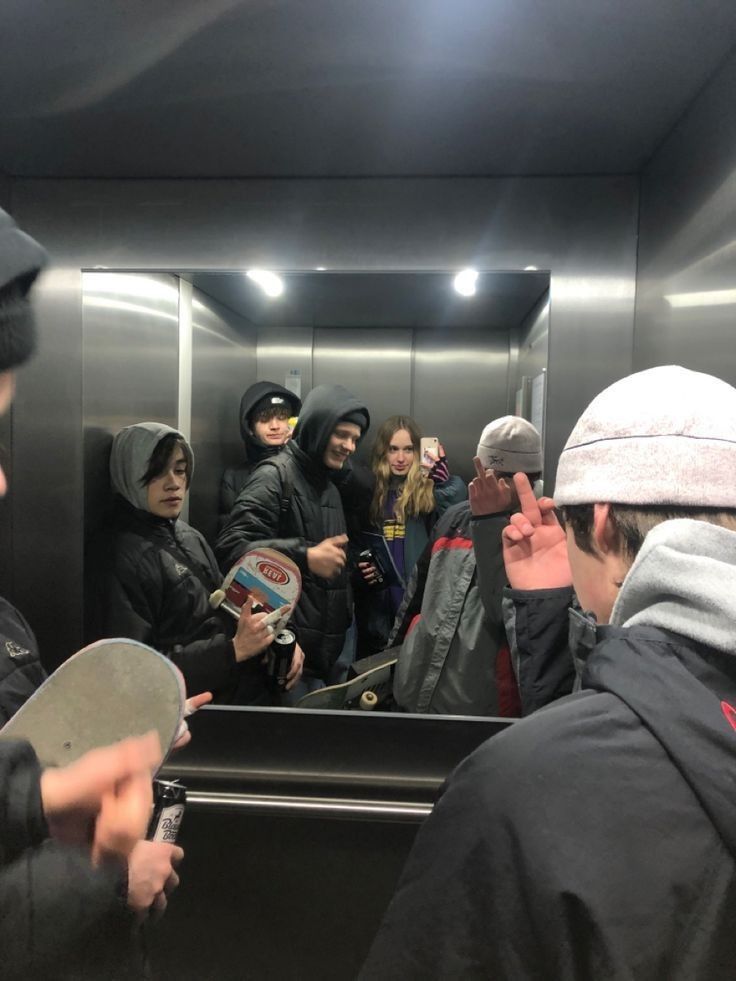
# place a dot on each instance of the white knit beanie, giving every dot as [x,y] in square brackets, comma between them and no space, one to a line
[662,436]
[512,445]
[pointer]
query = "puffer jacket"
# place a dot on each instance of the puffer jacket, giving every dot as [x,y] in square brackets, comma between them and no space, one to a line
[156,580]
[454,658]
[315,512]
[59,916]
[234,479]
[21,672]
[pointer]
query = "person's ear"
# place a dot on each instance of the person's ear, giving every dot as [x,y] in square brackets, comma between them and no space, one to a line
[605,539]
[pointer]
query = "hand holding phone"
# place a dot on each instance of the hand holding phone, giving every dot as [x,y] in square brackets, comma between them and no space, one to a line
[429,452]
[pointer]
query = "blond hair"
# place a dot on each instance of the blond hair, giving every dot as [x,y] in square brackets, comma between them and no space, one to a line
[417,492]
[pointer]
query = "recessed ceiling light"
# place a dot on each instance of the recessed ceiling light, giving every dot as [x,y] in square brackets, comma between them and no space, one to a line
[270,283]
[465,281]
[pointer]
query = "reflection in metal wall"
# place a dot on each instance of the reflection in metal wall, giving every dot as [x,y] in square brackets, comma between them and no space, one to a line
[223,366]
[284,354]
[460,384]
[129,368]
[582,229]
[686,291]
[374,364]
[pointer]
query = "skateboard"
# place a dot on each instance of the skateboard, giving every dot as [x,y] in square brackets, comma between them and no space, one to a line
[366,692]
[104,693]
[270,578]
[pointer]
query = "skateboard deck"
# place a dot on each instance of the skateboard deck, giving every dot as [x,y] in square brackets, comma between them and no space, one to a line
[104,693]
[366,692]
[266,575]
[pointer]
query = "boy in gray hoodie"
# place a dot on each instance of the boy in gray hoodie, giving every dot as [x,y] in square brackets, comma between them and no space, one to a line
[595,839]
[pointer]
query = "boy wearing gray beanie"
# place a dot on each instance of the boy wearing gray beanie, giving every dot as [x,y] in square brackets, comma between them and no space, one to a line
[454,658]
[595,839]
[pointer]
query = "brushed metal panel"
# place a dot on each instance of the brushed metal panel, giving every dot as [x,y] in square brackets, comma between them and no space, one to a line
[686,292]
[375,364]
[129,369]
[460,384]
[223,366]
[281,351]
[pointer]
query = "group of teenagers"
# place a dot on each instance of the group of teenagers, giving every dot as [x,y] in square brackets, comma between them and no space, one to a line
[593,838]
[299,490]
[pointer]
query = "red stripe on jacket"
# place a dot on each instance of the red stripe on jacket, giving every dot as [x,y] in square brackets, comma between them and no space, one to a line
[447,543]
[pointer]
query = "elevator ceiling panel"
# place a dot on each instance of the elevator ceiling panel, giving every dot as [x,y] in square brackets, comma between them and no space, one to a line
[345,87]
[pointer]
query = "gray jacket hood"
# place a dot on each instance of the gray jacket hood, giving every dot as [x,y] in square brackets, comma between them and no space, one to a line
[683,580]
[131,453]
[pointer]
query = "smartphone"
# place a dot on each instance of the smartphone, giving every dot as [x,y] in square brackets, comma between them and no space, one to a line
[429,443]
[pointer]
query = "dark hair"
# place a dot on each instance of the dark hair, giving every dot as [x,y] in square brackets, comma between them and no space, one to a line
[17,327]
[161,455]
[631,523]
[268,412]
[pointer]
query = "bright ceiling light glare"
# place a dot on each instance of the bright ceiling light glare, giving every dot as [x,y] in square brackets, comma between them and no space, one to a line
[530,268]
[465,281]
[271,284]
[707,298]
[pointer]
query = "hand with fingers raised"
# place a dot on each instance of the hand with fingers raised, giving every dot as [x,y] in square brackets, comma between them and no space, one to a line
[486,494]
[534,544]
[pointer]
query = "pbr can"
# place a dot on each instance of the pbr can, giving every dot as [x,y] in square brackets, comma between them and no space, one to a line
[280,655]
[168,810]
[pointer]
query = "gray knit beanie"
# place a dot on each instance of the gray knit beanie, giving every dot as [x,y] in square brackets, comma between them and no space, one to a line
[662,436]
[512,445]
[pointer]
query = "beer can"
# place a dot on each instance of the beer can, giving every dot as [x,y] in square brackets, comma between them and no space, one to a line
[169,799]
[281,653]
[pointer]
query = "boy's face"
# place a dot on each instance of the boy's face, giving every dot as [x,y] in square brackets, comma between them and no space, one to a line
[271,428]
[166,492]
[596,578]
[341,444]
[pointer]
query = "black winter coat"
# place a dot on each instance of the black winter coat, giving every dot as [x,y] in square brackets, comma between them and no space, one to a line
[59,916]
[21,672]
[156,581]
[592,840]
[315,512]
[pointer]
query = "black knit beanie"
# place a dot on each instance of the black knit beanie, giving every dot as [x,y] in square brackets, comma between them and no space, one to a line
[21,260]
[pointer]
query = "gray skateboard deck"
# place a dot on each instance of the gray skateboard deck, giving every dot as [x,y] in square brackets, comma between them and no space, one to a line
[104,693]
[366,692]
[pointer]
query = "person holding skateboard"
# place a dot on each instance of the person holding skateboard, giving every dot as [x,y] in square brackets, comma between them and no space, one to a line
[73,867]
[157,574]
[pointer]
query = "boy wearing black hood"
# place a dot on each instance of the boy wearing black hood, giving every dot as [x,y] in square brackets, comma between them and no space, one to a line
[595,838]
[291,504]
[265,409]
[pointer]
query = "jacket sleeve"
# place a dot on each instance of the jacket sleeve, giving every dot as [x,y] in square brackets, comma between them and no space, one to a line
[537,627]
[451,492]
[52,902]
[207,663]
[485,532]
[21,672]
[254,523]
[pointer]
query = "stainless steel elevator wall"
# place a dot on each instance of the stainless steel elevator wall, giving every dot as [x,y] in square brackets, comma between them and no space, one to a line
[582,229]
[223,366]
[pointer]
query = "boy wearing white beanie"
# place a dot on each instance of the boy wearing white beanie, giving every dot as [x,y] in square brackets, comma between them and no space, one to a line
[596,838]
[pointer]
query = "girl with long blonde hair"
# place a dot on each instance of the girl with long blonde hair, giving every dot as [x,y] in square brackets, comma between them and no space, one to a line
[408,496]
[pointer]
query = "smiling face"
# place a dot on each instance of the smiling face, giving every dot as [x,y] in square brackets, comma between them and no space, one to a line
[341,444]
[400,453]
[167,491]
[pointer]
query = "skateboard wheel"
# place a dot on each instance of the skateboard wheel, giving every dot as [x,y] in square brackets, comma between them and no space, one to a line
[216,598]
[368,701]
